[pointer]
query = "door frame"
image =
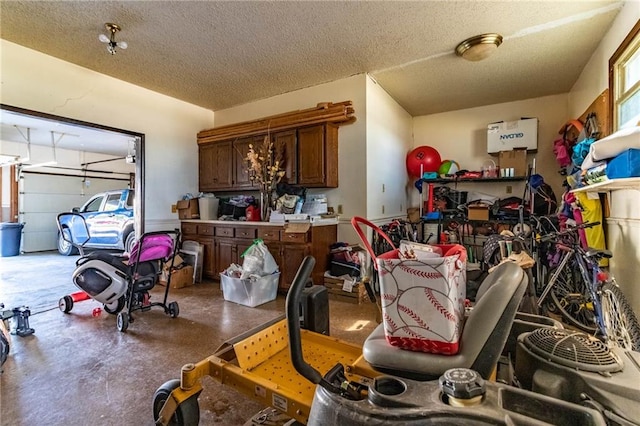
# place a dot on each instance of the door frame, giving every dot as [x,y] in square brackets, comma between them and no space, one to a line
[139,204]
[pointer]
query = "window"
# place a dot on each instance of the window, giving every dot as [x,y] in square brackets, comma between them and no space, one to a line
[130,199]
[113,200]
[94,205]
[624,81]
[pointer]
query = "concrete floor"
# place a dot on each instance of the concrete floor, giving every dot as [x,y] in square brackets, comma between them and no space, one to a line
[78,369]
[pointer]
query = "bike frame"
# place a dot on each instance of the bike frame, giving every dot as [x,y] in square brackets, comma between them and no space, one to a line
[589,270]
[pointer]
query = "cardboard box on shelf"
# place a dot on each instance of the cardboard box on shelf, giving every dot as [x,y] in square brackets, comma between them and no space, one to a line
[188,209]
[515,159]
[478,212]
[506,135]
[182,277]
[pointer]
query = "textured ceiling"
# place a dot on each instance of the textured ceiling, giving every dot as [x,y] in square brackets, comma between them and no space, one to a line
[221,54]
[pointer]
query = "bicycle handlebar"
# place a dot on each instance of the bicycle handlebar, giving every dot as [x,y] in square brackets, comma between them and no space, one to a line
[571,230]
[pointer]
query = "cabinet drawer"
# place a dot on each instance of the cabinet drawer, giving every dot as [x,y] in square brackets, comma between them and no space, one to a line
[189,228]
[205,230]
[269,234]
[224,232]
[293,237]
[246,232]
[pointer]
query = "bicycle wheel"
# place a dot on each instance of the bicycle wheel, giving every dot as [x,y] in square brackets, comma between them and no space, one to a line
[572,298]
[621,324]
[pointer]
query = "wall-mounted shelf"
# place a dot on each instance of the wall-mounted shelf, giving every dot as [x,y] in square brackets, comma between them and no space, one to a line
[477,180]
[611,185]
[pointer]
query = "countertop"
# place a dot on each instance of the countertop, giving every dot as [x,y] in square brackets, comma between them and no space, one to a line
[322,222]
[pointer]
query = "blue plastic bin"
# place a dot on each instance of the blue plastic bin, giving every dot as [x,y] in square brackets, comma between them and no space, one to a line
[10,234]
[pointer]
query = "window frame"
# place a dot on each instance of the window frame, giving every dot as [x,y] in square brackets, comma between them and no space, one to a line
[622,53]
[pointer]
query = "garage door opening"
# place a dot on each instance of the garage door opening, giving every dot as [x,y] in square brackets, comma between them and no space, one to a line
[51,164]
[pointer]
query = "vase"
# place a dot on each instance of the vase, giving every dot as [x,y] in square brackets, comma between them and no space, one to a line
[265,206]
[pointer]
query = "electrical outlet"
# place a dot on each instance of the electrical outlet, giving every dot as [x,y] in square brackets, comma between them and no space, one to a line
[174,208]
[339,208]
[383,209]
[509,189]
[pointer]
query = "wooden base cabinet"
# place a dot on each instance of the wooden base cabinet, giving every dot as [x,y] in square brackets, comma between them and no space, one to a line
[225,242]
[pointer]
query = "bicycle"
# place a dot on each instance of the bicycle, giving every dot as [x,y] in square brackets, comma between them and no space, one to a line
[586,296]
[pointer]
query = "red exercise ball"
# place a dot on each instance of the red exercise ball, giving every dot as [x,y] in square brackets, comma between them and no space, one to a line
[426,156]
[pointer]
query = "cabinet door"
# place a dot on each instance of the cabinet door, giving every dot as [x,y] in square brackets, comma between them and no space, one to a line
[286,142]
[215,166]
[241,167]
[292,256]
[223,176]
[225,254]
[206,166]
[208,261]
[318,156]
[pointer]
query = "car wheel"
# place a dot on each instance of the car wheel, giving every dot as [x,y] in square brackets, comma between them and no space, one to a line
[65,248]
[130,241]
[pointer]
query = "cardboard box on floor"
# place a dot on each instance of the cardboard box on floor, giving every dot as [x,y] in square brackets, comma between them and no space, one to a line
[188,209]
[516,159]
[182,277]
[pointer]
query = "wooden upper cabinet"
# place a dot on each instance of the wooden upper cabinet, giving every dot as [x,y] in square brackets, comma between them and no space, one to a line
[214,166]
[287,141]
[241,178]
[317,156]
[310,159]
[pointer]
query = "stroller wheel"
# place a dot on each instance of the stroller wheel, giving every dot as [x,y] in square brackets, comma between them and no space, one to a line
[187,413]
[115,307]
[174,309]
[122,321]
[65,304]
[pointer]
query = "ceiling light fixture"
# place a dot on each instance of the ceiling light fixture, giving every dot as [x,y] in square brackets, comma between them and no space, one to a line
[479,47]
[111,39]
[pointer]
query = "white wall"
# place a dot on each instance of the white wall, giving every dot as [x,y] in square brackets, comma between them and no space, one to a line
[623,224]
[40,82]
[352,139]
[462,136]
[389,139]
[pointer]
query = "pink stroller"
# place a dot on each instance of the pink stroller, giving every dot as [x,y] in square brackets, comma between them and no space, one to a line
[121,283]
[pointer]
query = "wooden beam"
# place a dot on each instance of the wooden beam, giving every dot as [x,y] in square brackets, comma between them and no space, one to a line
[326,112]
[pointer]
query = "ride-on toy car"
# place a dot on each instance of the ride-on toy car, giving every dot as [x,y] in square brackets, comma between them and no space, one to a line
[109,217]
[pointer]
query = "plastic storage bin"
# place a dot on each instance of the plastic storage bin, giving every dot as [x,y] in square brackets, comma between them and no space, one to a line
[10,235]
[208,208]
[250,292]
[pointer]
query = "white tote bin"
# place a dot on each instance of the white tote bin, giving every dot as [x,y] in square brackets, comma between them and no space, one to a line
[250,292]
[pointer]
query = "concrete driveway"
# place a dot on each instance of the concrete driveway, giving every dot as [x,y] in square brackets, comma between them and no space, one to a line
[36,280]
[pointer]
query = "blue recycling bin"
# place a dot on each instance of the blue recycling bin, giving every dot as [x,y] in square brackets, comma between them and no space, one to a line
[10,234]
